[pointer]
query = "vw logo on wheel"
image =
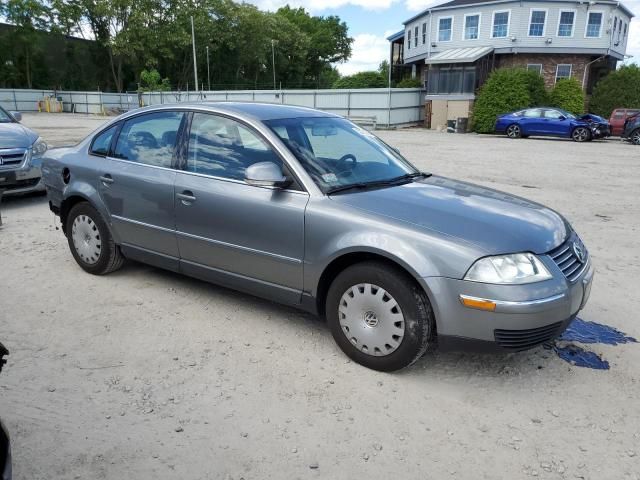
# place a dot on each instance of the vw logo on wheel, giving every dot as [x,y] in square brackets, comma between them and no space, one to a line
[579,252]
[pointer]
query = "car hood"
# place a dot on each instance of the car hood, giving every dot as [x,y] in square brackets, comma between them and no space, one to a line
[14,135]
[496,222]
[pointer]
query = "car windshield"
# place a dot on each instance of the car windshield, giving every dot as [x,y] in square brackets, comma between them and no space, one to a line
[565,113]
[4,116]
[338,154]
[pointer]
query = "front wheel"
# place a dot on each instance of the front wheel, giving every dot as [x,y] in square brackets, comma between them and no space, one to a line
[635,136]
[379,316]
[581,134]
[90,241]
[514,131]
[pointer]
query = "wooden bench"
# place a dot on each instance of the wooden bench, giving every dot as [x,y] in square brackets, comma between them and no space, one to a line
[361,120]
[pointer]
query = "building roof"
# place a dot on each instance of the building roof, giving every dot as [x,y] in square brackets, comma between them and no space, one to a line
[465,3]
[459,55]
[396,36]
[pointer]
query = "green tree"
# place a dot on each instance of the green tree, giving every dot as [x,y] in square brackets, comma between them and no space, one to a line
[620,88]
[535,84]
[369,79]
[408,82]
[151,81]
[505,90]
[568,95]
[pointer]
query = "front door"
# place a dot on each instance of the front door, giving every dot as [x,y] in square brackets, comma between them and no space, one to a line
[556,123]
[247,237]
[136,183]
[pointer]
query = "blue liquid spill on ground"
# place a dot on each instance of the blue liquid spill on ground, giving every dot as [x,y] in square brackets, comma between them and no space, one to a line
[585,332]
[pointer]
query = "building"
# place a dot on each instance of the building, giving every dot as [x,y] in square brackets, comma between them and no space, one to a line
[452,47]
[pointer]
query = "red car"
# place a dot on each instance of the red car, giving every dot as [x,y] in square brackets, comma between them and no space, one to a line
[618,117]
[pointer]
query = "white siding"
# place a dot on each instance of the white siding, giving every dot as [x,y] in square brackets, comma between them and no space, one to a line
[519,27]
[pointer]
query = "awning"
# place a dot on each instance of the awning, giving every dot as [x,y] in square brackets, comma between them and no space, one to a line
[459,55]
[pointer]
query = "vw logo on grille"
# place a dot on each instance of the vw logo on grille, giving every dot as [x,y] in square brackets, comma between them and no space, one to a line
[579,252]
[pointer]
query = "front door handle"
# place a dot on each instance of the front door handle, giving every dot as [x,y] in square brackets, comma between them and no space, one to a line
[106,179]
[187,197]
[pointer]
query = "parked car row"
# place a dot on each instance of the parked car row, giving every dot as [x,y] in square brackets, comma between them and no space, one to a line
[555,122]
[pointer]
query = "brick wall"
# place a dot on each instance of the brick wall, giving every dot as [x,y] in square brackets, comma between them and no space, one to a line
[549,63]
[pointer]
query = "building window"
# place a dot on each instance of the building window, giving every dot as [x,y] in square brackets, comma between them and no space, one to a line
[535,67]
[594,24]
[409,39]
[619,31]
[424,33]
[537,22]
[565,25]
[615,26]
[625,30]
[563,71]
[500,25]
[444,29]
[448,80]
[415,37]
[471,26]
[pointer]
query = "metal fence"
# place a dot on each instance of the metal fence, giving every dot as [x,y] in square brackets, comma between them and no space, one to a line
[389,107]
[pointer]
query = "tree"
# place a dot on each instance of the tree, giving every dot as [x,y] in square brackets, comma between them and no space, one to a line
[620,88]
[408,82]
[369,79]
[151,81]
[568,95]
[506,90]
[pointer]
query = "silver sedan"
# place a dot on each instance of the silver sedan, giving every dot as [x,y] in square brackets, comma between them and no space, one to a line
[305,208]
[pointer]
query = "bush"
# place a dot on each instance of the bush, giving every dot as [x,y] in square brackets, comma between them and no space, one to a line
[362,80]
[568,95]
[506,90]
[620,88]
[150,81]
[408,82]
[535,85]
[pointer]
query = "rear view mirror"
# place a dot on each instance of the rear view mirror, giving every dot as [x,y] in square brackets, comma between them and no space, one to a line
[323,130]
[17,116]
[265,174]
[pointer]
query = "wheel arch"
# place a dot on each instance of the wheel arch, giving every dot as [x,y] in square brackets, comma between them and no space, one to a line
[76,193]
[346,259]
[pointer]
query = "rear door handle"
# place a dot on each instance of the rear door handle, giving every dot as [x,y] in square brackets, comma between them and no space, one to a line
[187,197]
[106,179]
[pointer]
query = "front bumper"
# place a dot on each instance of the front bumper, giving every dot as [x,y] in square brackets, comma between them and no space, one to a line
[22,180]
[524,315]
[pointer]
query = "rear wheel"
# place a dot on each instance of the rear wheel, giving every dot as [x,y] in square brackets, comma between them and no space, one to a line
[379,316]
[90,241]
[635,136]
[514,131]
[581,134]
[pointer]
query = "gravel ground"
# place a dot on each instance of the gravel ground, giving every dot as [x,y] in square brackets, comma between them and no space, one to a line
[148,374]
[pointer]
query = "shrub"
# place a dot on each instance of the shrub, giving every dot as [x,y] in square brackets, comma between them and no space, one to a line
[408,82]
[151,81]
[506,90]
[535,85]
[620,88]
[568,95]
[362,80]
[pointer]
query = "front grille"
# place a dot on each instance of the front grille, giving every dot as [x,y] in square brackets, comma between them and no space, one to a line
[12,158]
[567,260]
[517,340]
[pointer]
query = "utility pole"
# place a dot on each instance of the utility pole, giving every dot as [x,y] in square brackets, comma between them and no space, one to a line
[208,76]
[195,64]
[273,62]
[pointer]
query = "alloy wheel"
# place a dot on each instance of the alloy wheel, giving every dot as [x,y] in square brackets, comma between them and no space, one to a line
[371,319]
[580,134]
[86,239]
[513,131]
[635,137]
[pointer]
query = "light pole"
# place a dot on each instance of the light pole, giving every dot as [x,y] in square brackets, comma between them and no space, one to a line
[195,64]
[208,76]
[273,61]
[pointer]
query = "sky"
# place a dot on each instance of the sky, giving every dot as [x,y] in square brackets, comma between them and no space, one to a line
[371,21]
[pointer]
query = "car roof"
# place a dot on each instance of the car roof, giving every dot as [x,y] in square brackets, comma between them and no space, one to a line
[257,110]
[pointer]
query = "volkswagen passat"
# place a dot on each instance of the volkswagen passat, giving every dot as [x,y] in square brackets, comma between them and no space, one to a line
[305,208]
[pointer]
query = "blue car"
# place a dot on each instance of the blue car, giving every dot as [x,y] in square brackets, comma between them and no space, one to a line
[554,122]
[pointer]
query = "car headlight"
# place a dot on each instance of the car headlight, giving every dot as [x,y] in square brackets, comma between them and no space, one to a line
[517,268]
[38,148]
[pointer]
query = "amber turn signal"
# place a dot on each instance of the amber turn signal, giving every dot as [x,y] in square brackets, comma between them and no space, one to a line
[478,303]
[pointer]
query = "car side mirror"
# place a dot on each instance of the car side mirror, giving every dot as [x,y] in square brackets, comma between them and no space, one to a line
[265,174]
[562,117]
[17,116]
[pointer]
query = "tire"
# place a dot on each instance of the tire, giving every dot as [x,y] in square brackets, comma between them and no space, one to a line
[581,134]
[635,136]
[514,131]
[95,251]
[368,327]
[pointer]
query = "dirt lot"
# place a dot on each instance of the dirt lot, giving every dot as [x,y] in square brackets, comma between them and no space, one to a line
[147,374]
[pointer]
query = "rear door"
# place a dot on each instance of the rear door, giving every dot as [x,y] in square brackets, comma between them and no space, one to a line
[136,184]
[247,237]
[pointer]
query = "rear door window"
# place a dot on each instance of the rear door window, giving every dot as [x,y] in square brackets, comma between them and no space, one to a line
[149,139]
[533,113]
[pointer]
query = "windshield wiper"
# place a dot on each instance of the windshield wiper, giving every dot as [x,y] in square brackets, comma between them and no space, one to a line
[377,183]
